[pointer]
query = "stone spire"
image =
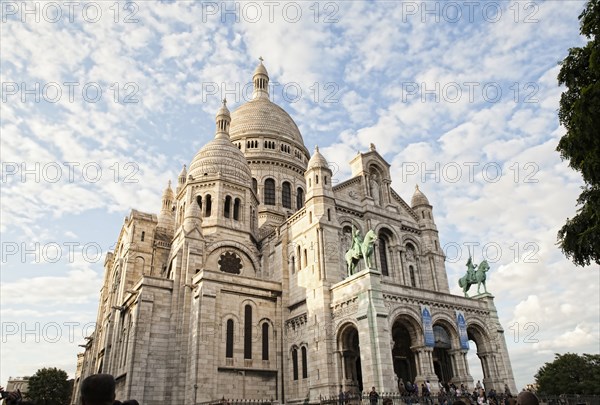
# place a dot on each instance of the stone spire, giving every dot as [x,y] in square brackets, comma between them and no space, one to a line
[166,218]
[223,120]
[181,179]
[261,81]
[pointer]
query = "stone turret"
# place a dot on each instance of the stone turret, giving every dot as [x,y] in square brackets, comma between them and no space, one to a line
[166,218]
[318,176]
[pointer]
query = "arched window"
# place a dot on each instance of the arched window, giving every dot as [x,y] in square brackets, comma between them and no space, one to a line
[227,207]
[286,195]
[293,264]
[316,179]
[304,363]
[385,238]
[269,192]
[383,256]
[254,185]
[295,363]
[299,198]
[199,201]
[143,235]
[305,258]
[208,208]
[236,209]
[299,259]
[248,332]
[265,341]
[229,339]
[413,281]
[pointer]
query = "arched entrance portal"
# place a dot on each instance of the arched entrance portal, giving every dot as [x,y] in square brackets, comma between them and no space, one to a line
[403,356]
[486,368]
[442,363]
[351,371]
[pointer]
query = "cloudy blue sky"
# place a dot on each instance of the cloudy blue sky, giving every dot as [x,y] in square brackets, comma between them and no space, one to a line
[103,102]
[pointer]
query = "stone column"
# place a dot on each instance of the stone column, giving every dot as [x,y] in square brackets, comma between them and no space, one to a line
[400,252]
[374,335]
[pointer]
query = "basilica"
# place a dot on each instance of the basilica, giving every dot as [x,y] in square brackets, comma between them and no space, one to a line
[261,278]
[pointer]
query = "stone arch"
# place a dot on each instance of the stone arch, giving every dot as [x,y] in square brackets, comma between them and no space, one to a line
[406,333]
[248,301]
[477,332]
[409,239]
[249,257]
[448,322]
[389,229]
[446,342]
[139,266]
[349,361]
[412,319]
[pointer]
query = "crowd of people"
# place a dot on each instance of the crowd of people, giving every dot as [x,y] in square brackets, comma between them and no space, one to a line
[97,389]
[447,394]
[100,389]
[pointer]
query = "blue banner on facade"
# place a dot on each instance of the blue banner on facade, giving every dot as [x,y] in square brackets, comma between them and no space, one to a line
[427,326]
[462,330]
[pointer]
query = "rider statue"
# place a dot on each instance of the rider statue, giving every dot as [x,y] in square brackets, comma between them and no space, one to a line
[357,240]
[471,269]
[362,248]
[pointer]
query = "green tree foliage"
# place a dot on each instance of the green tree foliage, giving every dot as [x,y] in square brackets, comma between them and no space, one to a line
[570,373]
[579,113]
[50,386]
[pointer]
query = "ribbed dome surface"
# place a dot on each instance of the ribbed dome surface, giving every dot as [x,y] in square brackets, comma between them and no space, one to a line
[418,198]
[262,117]
[220,155]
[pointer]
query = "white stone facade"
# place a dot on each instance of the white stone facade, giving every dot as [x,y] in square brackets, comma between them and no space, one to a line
[238,288]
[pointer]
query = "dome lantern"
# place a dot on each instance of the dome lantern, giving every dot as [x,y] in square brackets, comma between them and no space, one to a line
[223,120]
[260,80]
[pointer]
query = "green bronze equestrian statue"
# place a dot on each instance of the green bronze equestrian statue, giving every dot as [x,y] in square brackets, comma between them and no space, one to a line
[360,249]
[474,276]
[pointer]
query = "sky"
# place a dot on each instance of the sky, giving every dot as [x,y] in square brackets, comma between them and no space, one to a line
[103,102]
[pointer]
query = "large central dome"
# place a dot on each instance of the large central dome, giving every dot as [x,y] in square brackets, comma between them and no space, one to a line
[261,116]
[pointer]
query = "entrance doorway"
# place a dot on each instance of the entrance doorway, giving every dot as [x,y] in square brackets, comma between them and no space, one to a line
[349,347]
[442,363]
[404,358]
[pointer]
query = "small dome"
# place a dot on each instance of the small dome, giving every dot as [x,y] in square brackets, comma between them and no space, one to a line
[221,156]
[418,198]
[317,161]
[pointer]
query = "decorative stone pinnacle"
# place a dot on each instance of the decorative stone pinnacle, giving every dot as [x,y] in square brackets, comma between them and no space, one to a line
[316,148]
[260,58]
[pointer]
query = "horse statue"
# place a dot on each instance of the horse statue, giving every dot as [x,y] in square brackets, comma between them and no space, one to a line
[474,277]
[361,249]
